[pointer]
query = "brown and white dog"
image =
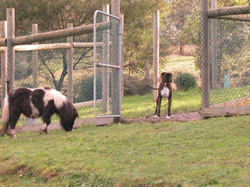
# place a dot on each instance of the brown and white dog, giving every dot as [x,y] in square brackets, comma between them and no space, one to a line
[164,91]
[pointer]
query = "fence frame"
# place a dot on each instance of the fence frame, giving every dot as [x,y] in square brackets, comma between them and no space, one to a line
[116,102]
[9,43]
[239,13]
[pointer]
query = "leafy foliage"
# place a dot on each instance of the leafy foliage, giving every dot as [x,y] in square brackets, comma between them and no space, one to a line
[185,81]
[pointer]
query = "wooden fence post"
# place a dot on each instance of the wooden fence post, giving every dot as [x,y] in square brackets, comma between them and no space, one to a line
[105,60]
[115,98]
[35,59]
[204,54]
[147,70]
[214,47]
[3,34]
[70,64]
[156,50]
[10,48]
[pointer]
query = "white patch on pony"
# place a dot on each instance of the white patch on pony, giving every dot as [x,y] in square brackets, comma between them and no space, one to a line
[165,92]
[168,117]
[55,95]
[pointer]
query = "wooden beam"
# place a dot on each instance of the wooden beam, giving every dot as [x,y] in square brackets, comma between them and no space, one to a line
[226,11]
[225,111]
[39,47]
[156,50]
[70,65]
[204,54]
[59,34]
[35,59]
[241,17]
[10,15]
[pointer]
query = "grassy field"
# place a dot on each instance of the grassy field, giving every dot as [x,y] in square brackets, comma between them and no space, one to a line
[202,153]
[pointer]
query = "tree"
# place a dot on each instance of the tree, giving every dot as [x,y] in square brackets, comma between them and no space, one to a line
[138,34]
[53,15]
[181,25]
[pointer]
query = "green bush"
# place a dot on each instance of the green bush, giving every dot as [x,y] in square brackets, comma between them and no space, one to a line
[185,81]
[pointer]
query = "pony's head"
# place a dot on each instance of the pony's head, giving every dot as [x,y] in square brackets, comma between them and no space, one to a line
[68,114]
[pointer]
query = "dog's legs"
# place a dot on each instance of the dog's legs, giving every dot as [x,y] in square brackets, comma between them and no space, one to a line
[169,107]
[156,108]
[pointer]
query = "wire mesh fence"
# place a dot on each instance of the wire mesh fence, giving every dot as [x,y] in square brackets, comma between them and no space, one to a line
[64,60]
[229,64]
[107,61]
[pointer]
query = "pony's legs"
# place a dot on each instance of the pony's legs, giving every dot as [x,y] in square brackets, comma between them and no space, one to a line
[12,122]
[44,129]
[46,117]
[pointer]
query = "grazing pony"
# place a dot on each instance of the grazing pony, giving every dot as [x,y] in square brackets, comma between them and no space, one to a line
[34,103]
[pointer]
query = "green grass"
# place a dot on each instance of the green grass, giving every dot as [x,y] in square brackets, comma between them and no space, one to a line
[202,153]
[138,106]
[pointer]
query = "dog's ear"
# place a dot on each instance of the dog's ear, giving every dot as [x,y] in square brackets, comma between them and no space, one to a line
[162,74]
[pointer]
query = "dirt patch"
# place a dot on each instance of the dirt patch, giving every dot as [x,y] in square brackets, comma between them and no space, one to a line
[179,117]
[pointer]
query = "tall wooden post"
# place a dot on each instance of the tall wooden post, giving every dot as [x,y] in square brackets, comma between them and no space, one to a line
[115,95]
[3,34]
[147,70]
[214,47]
[105,70]
[70,65]
[156,50]
[10,48]
[35,59]
[204,53]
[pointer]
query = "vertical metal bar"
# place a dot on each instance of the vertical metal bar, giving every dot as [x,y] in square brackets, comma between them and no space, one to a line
[70,64]
[35,59]
[10,48]
[120,63]
[95,23]
[122,53]
[105,60]
[204,54]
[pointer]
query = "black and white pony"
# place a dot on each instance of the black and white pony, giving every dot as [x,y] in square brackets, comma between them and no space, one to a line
[34,103]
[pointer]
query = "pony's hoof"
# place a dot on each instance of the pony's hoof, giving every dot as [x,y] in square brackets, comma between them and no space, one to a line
[168,117]
[155,116]
[13,136]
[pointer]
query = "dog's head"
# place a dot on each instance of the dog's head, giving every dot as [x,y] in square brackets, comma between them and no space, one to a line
[166,78]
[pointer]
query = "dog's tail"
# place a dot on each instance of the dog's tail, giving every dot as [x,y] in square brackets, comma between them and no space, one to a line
[5,116]
[152,87]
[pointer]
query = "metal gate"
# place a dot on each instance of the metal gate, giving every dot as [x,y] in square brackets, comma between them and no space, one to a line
[107,65]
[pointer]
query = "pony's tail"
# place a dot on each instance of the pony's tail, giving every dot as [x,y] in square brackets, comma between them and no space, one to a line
[5,116]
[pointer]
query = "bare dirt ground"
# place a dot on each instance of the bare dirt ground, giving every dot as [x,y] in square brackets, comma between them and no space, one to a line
[180,117]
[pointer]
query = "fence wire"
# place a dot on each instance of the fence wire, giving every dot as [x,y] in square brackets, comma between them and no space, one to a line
[108,66]
[229,64]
